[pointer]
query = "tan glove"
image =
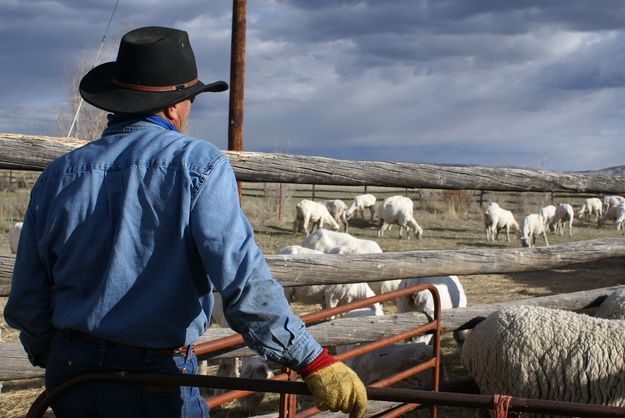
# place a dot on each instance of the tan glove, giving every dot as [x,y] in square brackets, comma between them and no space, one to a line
[338,388]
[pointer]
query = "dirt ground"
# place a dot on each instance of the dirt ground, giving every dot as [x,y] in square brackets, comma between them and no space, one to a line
[441,231]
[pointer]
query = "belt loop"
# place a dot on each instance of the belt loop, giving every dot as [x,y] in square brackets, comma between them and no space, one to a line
[189,350]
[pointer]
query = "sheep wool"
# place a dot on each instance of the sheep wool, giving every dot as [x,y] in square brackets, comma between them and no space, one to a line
[542,353]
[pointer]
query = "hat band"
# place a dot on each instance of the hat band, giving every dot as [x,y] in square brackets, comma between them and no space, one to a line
[139,87]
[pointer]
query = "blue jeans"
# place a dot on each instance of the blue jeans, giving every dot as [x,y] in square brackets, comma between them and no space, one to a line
[72,355]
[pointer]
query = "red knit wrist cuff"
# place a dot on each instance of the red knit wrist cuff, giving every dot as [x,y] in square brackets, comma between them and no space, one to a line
[323,360]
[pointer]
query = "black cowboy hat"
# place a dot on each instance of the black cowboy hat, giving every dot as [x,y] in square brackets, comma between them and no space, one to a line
[155,68]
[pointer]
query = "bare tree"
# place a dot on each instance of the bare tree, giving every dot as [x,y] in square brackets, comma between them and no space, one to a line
[91,120]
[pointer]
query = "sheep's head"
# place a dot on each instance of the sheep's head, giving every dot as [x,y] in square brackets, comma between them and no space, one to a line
[418,233]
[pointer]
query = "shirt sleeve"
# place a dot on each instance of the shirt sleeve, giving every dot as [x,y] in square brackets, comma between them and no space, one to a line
[253,301]
[28,308]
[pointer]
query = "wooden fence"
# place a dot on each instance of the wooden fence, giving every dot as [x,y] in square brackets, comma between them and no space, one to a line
[21,152]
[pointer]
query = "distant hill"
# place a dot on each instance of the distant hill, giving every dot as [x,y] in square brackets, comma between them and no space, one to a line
[618,170]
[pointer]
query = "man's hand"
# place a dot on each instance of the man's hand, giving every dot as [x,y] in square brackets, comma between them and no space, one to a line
[336,387]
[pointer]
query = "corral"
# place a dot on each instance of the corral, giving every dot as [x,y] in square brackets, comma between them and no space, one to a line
[489,268]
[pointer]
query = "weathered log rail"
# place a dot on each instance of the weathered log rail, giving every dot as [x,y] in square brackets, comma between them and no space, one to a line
[25,152]
[14,363]
[306,269]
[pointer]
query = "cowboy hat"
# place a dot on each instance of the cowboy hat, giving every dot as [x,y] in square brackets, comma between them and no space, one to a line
[155,68]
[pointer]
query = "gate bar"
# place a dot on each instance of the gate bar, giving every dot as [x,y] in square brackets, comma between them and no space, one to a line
[41,404]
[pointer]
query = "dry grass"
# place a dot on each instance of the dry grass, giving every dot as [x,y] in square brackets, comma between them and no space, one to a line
[449,221]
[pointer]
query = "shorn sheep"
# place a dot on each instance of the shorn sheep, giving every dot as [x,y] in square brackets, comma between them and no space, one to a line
[325,241]
[360,203]
[564,216]
[338,210]
[549,214]
[532,226]
[591,206]
[14,236]
[542,353]
[495,219]
[614,213]
[308,212]
[613,200]
[397,210]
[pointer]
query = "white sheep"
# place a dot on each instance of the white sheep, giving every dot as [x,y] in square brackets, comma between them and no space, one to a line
[450,291]
[542,353]
[14,236]
[564,216]
[397,210]
[495,219]
[614,200]
[338,210]
[297,249]
[307,212]
[331,295]
[548,214]
[325,241]
[360,203]
[532,226]
[614,213]
[591,206]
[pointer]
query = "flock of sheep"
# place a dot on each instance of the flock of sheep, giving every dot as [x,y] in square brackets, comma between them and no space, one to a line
[553,218]
[522,351]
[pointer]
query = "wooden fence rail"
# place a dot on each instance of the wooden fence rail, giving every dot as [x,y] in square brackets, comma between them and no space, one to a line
[14,363]
[306,269]
[21,152]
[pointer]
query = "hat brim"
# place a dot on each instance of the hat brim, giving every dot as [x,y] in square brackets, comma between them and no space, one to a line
[97,88]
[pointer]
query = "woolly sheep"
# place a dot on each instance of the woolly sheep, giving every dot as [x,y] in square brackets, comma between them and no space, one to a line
[360,203]
[532,226]
[14,236]
[397,210]
[338,210]
[591,206]
[307,211]
[542,353]
[495,219]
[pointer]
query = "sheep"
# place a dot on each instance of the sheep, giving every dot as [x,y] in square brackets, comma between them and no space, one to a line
[254,367]
[532,226]
[360,203]
[614,200]
[548,213]
[542,353]
[325,241]
[331,295]
[564,216]
[14,236]
[449,288]
[307,212]
[495,219]
[591,206]
[331,242]
[338,210]
[297,249]
[397,210]
[614,213]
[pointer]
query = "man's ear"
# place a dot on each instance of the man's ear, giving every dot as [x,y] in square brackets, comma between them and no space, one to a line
[171,112]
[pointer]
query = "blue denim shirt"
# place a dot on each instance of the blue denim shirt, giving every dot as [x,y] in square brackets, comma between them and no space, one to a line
[125,239]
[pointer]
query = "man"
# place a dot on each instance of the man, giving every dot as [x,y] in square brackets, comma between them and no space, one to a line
[125,238]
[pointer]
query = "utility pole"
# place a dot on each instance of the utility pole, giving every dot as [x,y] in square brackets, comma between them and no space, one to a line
[237,78]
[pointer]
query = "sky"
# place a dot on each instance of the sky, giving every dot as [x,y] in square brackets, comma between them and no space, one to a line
[527,83]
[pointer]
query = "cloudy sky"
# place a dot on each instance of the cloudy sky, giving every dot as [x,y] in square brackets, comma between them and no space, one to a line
[531,83]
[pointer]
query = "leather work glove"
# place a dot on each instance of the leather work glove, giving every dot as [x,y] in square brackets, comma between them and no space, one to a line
[337,387]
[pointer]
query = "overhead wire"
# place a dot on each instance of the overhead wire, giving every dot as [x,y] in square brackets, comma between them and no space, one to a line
[95,61]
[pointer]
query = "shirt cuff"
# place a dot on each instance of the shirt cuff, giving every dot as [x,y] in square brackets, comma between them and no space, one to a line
[323,360]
